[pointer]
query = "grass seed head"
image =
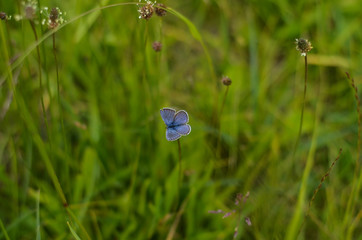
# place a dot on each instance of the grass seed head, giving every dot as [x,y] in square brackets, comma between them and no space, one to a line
[3,16]
[160,9]
[30,9]
[146,11]
[54,14]
[157,46]
[54,18]
[226,81]
[303,46]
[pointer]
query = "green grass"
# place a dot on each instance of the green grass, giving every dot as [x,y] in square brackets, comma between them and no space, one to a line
[110,173]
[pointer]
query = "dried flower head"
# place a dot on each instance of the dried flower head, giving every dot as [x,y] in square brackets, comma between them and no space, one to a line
[54,18]
[54,14]
[226,81]
[157,46]
[303,46]
[160,9]
[30,9]
[3,16]
[146,11]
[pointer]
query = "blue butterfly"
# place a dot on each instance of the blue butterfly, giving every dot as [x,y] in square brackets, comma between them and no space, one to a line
[176,123]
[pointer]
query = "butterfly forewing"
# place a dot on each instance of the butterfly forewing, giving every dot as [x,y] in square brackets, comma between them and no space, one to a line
[183,129]
[168,115]
[172,134]
[181,117]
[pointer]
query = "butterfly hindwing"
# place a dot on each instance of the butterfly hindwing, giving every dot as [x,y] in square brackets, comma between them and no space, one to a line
[184,129]
[168,115]
[172,134]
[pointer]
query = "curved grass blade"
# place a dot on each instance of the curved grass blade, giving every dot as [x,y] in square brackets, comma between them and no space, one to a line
[75,235]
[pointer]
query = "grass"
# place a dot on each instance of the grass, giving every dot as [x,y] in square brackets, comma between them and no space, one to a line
[109,172]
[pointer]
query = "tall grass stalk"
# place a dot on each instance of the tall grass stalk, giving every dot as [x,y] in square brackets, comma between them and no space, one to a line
[44,58]
[293,227]
[82,228]
[218,144]
[32,24]
[318,188]
[146,84]
[303,105]
[4,230]
[179,169]
[61,116]
[38,226]
[179,214]
[357,179]
[14,171]
[9,36]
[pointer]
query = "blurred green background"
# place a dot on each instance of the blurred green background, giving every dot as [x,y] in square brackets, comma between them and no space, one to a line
[117,172]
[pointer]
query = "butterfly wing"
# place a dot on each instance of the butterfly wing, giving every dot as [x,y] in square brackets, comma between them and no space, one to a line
[183,129]
[181,117]
[172,134]
[168,115]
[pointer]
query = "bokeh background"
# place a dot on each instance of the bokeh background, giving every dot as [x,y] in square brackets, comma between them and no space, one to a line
[111,162]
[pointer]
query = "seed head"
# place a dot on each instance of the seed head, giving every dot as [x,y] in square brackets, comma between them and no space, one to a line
[157,46]
[3,16]
[303,46]
[54,14]
[53,19]
[146,11]
[30,9]
[226,81]
[160,11]
[29,12]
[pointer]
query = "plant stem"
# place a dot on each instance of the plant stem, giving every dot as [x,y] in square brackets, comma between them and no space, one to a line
[292,230]
[317,189]
[303,105]
[9,37]
[179,168]
[40,79]
[58,93]
[357,179]
[224,99]
[44,59]
[218,146]
[61,116]
[3,229]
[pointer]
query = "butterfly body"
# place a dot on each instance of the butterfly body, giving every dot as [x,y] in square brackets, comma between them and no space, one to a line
[176,123]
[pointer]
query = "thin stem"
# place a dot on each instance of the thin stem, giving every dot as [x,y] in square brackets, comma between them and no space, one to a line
[224,99]
[9,37]
[3,229]
[58,93]
[218,147]
[61,116]
[318,188]
[40,78]
[303,105]
[44,58]
[179,167]
[176,222]
[357,180]
[146,85]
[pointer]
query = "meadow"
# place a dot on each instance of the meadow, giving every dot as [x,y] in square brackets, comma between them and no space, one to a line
[273,155]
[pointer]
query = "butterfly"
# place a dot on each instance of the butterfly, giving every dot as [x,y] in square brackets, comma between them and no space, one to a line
[176,123]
